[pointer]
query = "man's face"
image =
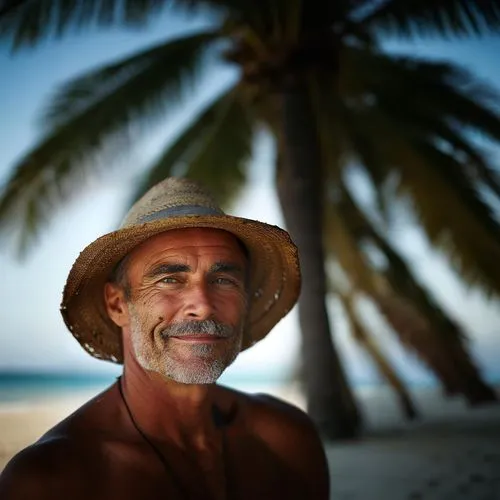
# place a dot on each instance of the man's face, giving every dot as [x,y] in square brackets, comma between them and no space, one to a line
[187,304]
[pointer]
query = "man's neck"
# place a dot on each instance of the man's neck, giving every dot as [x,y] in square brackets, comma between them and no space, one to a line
[168,410]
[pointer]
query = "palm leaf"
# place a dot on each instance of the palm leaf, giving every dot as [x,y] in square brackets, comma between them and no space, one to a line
[397,272]
[406,136]
[428,123]
[435,338]
[411,327]
[213,149]
[27,22]
[342,246]
[452,213]
[467,230]
[146,82]
[446,104]
[441,91]
[429,17]
[50,172]
[416,318]
[380,360]
[474,160]
[220,159]
[363,152]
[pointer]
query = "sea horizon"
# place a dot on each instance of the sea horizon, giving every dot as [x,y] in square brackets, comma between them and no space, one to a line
[25,385]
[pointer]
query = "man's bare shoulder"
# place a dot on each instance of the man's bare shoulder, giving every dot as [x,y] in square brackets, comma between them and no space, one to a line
[51,468]
[262,413]
[281,422]
[60,463]
[290,434]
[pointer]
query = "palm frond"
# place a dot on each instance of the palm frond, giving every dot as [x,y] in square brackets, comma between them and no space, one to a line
[380,360]
[475,161]
[50,172]
[453,215]
[408,136]
[177,156]
[219,160]
[25,23]
[428,123]
[439,91]
[410,325]
[342,245]
[487,175]
[416,317]
[362,151]
[446,103]
[444,195]
[144,83]
[468,231]
[447,18]
[438,340]
[398,273]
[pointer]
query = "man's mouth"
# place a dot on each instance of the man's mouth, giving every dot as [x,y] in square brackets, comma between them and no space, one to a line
[199,339]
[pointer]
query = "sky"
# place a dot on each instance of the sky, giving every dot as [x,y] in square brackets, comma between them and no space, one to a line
[33,336]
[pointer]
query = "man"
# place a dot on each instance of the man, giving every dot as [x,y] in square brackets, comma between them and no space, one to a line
[175,294]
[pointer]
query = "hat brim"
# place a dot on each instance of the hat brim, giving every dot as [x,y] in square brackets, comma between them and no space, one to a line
[274,278]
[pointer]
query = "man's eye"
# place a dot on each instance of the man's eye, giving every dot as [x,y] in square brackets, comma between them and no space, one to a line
[169,280]
[224,281]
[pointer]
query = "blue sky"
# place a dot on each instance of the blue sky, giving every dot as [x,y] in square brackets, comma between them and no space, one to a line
[33,335]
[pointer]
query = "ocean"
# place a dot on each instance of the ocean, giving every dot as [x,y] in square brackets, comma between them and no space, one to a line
[21,387]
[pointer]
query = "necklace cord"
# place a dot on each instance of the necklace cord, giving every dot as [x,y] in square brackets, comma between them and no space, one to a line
[219,422]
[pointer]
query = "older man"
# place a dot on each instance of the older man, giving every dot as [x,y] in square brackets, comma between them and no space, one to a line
[175,295]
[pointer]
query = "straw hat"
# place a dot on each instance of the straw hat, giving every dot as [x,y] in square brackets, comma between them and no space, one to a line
[175,204]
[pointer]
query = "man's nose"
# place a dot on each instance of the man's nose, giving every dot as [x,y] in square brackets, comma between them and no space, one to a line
[197,302]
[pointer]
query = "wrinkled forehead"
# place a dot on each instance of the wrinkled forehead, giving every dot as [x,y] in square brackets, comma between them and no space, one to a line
[177,240]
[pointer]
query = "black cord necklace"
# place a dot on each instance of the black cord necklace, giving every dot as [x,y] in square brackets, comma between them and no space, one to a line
[219,421]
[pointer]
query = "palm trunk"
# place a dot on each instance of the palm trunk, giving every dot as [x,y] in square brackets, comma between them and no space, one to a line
[330,402]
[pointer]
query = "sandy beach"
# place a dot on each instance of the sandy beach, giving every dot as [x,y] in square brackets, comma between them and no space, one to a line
[451,453]
[449,457]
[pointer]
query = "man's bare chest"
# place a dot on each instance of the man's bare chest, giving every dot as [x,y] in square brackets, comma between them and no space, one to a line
[247,470]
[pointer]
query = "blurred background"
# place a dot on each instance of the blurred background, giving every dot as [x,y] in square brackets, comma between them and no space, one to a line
[369,129]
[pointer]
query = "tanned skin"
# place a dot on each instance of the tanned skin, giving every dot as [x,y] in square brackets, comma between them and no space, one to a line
[272,449]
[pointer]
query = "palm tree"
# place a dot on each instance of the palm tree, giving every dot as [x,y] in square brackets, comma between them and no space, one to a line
[313,73]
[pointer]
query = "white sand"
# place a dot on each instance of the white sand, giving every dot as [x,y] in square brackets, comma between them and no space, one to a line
[453,454]
[449,458]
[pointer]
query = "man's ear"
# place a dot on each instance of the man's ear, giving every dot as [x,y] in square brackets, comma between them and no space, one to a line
[116,304]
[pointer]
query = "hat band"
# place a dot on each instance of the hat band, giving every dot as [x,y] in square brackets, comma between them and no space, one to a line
[179,211]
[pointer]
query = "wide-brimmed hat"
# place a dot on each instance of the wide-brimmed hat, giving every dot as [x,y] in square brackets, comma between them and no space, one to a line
[175,203]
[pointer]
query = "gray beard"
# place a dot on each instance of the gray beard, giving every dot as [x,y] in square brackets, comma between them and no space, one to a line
[209,362]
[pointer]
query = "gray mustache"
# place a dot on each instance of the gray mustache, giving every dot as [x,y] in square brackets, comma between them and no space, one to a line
[198,328]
